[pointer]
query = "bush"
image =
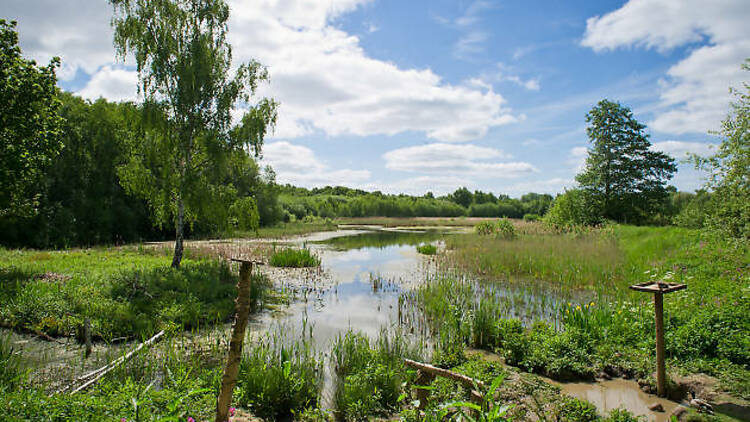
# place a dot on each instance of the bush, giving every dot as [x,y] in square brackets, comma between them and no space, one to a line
[427,249]
[276,381]
[574,410]
[505,229]
[531,217]
[294,258]
[572,208]
[485,228]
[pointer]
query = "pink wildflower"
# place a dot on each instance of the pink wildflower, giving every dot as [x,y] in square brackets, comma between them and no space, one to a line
[190,419]
[231,411]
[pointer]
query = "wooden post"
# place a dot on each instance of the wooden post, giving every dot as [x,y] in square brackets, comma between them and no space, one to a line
[242,313]
[87,335]
[661,372]
[659,289]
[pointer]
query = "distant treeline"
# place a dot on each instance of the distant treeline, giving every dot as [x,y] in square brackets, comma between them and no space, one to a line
[339,201]
[682,208]
[81,202]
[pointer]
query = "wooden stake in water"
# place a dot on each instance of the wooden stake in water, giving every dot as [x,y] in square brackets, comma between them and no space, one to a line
[242,313]
[659,289]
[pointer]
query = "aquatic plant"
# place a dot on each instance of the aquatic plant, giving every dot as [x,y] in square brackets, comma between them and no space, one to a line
[427,249]
[294,258]
[278,377]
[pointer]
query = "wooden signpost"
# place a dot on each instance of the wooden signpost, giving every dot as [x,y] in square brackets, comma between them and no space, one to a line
[659,289]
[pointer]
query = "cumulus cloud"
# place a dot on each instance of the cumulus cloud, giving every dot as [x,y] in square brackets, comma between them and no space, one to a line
[682,149]
[77,31]
[112,83]
[695,94]
[325,81]
[460,160]
[321,75]
[299,165]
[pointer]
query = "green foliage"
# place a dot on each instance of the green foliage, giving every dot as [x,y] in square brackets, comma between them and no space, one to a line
[244,214]
[125,294]
[531,217]
[729,171]
[505,229]
[427,249]
[575,410]
[184,62]
[370,377]
[294,258]
[11,371]
[30,131]
[622,415]
[623,178]
[277,380]
[692,209]
[572,208]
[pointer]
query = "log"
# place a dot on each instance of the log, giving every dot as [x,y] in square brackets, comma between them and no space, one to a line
[101,372]
[440,372]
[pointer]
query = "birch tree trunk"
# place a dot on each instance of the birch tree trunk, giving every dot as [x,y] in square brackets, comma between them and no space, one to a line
[179,233]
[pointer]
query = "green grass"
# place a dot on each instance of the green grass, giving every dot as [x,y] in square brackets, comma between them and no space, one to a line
[125,293]
[427,249]
[706,325]
[370,374]
[294,258]
[277,380]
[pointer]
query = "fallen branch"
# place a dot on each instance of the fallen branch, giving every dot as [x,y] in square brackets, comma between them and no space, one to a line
[440,372]
[101,372]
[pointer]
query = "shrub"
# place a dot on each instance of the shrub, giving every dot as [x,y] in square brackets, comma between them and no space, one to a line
[485,228]
[505,229]
[531,217]
[574,410]
[295,258]
[427,249]
[622,415]
[276,381]
[572,208]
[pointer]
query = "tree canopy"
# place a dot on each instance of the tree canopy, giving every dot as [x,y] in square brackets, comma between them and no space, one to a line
[729,170]
[190,89]
[623,177]
[29,124]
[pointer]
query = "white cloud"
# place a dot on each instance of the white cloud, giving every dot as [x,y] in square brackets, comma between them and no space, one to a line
[438,185]
[321,75]
[325,81]
[458,160]
[681,149]
[551,186]
[77,31]
[300,166]
[114,84]
[695,96]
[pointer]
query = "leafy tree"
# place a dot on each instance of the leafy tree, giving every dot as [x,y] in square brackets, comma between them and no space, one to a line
[29,123]
[623,177]
[572,208]
[185,72]
[462,196]
[729,170]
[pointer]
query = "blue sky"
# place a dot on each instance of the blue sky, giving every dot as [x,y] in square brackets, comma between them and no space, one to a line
[416,96]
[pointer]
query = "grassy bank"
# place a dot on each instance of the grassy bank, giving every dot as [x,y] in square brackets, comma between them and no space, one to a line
[706,325]
[413,221]
[125,292]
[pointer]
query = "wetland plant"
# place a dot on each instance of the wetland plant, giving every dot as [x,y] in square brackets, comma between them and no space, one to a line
[427,249]
[294,258]
[279,378]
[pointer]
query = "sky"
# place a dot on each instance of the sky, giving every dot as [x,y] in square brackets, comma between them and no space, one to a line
[416,96]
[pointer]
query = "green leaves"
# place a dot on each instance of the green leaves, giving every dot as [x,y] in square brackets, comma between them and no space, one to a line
[29,124]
